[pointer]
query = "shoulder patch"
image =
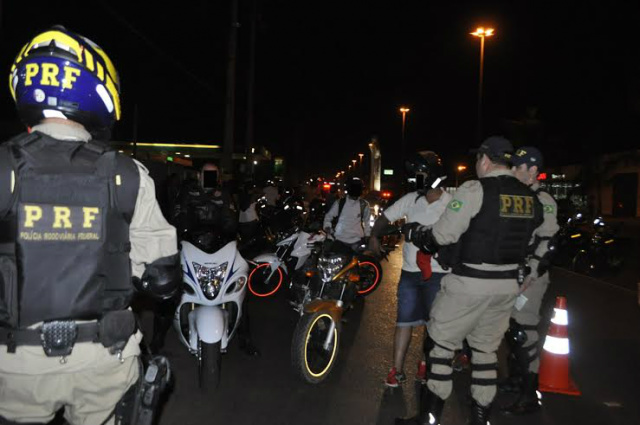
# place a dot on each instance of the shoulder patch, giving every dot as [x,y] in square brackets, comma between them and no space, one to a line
[455,205]
[548,209]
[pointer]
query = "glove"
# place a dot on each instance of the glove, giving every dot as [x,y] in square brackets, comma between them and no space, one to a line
[409,231]
[420,236]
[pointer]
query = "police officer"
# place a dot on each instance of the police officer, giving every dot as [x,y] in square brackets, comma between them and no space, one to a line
[522,336]
[493,220]
[415,293]
[78,220]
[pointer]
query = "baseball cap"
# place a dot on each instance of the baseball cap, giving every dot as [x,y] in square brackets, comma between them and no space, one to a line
[528,155]
[496,147]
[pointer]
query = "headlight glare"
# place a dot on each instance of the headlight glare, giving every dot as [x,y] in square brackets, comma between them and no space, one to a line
[210,278]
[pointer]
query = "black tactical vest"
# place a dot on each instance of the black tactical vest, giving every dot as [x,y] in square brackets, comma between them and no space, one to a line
[502,229]
[68,225]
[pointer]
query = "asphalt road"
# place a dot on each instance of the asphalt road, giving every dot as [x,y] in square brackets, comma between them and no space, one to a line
[605,347]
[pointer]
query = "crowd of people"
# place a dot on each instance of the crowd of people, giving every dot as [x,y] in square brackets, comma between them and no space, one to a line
[82,230]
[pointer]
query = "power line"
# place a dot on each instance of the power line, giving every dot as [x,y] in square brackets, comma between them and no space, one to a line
[155,47]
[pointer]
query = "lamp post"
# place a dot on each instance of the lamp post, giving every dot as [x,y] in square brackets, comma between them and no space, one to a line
[481,33]
[459,169]
[403,110]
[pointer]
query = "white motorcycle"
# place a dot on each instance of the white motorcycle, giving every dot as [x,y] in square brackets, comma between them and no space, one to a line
[273,269]
[210,309]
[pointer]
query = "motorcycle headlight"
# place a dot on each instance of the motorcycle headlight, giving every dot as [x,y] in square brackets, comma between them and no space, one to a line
[329,267]
[210,278]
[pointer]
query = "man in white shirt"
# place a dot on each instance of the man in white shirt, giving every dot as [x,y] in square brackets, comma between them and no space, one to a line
[415,294]
[351,215]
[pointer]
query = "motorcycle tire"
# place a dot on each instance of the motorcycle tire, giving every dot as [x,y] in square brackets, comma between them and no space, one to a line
[258,284]
[581,263]
[310,361]
[209,366]
[370,276]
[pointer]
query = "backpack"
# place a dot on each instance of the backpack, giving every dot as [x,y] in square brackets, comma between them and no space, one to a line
[363,205]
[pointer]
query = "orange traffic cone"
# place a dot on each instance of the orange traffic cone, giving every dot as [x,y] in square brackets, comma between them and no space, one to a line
[554,362]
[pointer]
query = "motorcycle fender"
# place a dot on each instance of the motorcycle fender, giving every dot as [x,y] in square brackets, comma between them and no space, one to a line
[328,306]
[271,259]
[210,323]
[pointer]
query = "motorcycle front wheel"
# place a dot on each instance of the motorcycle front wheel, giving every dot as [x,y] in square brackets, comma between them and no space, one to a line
[310,359]
[264,283]
[209,365]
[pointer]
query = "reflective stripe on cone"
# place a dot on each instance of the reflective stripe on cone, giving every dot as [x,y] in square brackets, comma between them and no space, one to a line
[554,361]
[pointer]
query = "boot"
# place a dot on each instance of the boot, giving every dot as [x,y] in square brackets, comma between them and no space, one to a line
[429,410]
[518,364]
[527,401]
[479,414]
[513,384]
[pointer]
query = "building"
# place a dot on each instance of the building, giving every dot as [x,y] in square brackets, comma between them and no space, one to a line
[608,185]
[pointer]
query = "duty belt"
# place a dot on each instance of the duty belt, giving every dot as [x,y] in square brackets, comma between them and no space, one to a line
[464,270]
[58,337]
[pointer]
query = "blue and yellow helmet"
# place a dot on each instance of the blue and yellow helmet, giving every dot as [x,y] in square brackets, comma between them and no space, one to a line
[60,74]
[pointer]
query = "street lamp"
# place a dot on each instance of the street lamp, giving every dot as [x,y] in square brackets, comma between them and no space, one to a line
[481,33]
[403,111]
[361,155]
[460,169]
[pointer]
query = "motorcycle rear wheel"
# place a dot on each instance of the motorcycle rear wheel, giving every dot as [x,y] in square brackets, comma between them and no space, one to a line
[309,359]
[370,276]
[259,282]
[209,366]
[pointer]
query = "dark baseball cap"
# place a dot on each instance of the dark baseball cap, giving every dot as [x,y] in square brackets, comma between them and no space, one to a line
[496,147]
[528,155]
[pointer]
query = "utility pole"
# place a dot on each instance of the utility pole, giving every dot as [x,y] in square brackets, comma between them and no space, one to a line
[227,154]
[251,76]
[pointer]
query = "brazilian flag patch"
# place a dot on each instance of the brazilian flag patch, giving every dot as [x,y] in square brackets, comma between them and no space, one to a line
[548,209]
[455,205]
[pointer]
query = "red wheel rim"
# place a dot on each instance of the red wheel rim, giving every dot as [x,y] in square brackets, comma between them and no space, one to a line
[257,294]
[375,282]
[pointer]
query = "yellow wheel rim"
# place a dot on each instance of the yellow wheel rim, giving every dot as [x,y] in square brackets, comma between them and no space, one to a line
[333,352]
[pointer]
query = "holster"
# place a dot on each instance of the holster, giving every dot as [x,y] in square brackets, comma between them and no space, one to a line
[140,403]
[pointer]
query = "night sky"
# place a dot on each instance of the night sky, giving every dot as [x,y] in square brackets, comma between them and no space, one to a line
[563,75]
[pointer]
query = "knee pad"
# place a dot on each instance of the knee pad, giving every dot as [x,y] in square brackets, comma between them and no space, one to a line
[516,335]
